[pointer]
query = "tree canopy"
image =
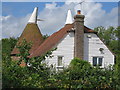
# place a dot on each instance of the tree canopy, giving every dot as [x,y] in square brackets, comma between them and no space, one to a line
[79,74]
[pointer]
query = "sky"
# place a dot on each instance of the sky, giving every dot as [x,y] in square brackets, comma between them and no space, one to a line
[15,15]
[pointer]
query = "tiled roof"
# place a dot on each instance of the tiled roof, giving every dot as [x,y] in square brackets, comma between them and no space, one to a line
[52,40]
[88,30]
[32,34]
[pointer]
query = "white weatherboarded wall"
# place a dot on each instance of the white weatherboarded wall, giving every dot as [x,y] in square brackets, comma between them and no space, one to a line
[65,48]
[92,44]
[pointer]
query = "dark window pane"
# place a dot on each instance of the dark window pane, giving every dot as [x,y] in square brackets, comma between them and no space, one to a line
[59,60]
[100,62]
[94,61]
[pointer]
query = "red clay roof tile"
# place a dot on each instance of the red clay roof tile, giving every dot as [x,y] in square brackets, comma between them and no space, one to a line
[52,40]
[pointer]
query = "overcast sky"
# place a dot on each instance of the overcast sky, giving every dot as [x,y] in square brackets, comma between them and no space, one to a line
[16,15]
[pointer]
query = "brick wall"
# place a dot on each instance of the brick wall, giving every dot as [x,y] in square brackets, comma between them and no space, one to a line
[79,36]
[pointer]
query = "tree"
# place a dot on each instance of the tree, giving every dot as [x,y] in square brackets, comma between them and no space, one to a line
[24,48]
[0,64]
[45,36]
[79,74]
[7,46]
[118,58]
[34,76]
[110,37]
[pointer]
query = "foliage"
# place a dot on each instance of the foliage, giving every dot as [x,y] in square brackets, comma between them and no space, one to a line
[118,58]
[90,77]
[76,62]
[37,63]
[118,70]
[79,74]
[31,76]
[15,76]
[45,36]
[10,74]
[0,64]
[110,37]
[24,48]
[7,46]
[84,76]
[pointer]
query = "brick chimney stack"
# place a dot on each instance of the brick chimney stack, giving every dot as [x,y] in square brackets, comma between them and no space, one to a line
[79,35]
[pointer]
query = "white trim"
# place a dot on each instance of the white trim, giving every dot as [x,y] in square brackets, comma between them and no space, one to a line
[98,60]
[69,19]
[33,18]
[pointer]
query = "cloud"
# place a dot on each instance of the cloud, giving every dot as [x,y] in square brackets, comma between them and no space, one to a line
[54,18]
[96,16]
[51,6]
[12,26]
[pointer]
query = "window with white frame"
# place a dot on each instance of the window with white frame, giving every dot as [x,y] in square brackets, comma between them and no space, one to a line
[60,58]
[97,61]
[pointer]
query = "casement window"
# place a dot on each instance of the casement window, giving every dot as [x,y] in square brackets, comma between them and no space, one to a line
[60,59]
[97,61]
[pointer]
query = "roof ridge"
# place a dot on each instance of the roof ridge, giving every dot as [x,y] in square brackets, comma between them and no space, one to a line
[52,40]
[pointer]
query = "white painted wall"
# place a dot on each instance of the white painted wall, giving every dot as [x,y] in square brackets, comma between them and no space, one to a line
[65,48]
[91,49]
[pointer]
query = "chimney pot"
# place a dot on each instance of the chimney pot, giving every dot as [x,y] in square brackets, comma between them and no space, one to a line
[78,12]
